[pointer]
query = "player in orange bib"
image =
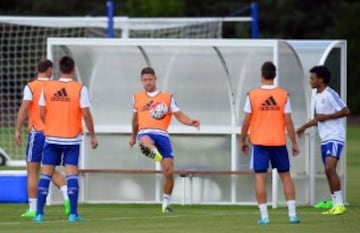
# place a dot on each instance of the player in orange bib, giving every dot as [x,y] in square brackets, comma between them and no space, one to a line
[152,115]
[64,103]
[36,138]
[267,115]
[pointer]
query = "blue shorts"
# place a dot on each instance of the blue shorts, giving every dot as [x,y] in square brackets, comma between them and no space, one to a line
[276,155]
[161,142]
[35,146]
[331,149]
[54,154]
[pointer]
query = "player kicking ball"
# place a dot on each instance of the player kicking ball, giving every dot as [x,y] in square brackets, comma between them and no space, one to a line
[152,115]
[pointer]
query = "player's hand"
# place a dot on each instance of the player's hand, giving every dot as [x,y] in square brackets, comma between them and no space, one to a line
[244,148]
[93,142]
[132,142]
[195,123]
[295,150]
[300,132]
[321,117]
[18,138]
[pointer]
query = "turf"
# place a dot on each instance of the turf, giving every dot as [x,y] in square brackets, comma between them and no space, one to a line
[148,219]
[132,218]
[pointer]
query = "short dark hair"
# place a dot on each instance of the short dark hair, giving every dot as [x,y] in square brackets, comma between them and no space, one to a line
[44,65]
[268,70]
[322,72]
[66,64]
[148,70]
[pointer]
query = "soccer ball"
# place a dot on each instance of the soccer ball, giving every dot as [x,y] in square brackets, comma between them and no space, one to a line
[158,110]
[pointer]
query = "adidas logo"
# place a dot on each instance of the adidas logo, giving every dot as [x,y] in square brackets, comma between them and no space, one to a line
[269,104]
[60,95]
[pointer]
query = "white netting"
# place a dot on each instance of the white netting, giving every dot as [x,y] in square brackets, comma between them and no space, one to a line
[23,45]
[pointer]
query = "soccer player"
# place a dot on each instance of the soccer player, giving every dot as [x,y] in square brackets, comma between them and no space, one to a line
[63,105]
[152,133]
[267,115]
[36,138]
[330,111]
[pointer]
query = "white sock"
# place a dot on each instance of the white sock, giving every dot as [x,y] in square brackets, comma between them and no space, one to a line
[292,208]
[333,199]
[32,204]
[166,200]
[63,189]
[263,211]
[339,197]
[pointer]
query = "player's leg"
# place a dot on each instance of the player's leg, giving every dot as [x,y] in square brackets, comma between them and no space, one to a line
[334,184]
[59,180]
[261,197]
[71,161]
[331,153]
[289,193]
[148,147]
[32,184]
[260,165]
[280,160]
[43,190]
[51,157]
[167,165]
[33,159]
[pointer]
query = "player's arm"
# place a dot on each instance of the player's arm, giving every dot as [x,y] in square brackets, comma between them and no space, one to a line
[135,129]
[42,103]
[89,123]
[300,131]
[341,110]
[21,116]
[244,131]
[85,105]
[291,133]
[42,113]
[186,120]
[339,114]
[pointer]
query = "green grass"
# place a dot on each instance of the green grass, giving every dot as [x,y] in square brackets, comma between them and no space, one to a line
[148,219]
[133,218]
[353,165]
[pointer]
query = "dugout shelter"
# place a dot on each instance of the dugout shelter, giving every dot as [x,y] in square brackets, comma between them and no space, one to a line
[209,79]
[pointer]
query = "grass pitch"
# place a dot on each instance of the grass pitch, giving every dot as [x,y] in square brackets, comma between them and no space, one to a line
[132,218]
[148,219]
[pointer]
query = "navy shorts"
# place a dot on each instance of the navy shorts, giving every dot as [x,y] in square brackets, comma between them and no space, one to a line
[54,154]
[331,149]
[161,142]
[34,148]
[277,156]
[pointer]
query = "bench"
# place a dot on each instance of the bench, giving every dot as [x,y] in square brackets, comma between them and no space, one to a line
[186,172]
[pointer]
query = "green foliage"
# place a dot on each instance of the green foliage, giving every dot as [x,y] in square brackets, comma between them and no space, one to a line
[347,27]
[288,19]
[154,8]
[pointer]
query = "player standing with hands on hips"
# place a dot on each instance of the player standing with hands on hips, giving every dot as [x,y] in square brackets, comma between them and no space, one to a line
[330,111]
[64,103]
[267,115]
[152,115]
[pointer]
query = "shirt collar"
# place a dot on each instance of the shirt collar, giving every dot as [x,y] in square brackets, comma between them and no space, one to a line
[65,79]
[152,94]
[268,87]
[43,78]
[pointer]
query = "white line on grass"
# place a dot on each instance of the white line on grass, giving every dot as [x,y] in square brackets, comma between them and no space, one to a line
[203,213]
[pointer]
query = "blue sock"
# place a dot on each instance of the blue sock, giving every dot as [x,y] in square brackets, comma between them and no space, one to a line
[73,192]
[43,189]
